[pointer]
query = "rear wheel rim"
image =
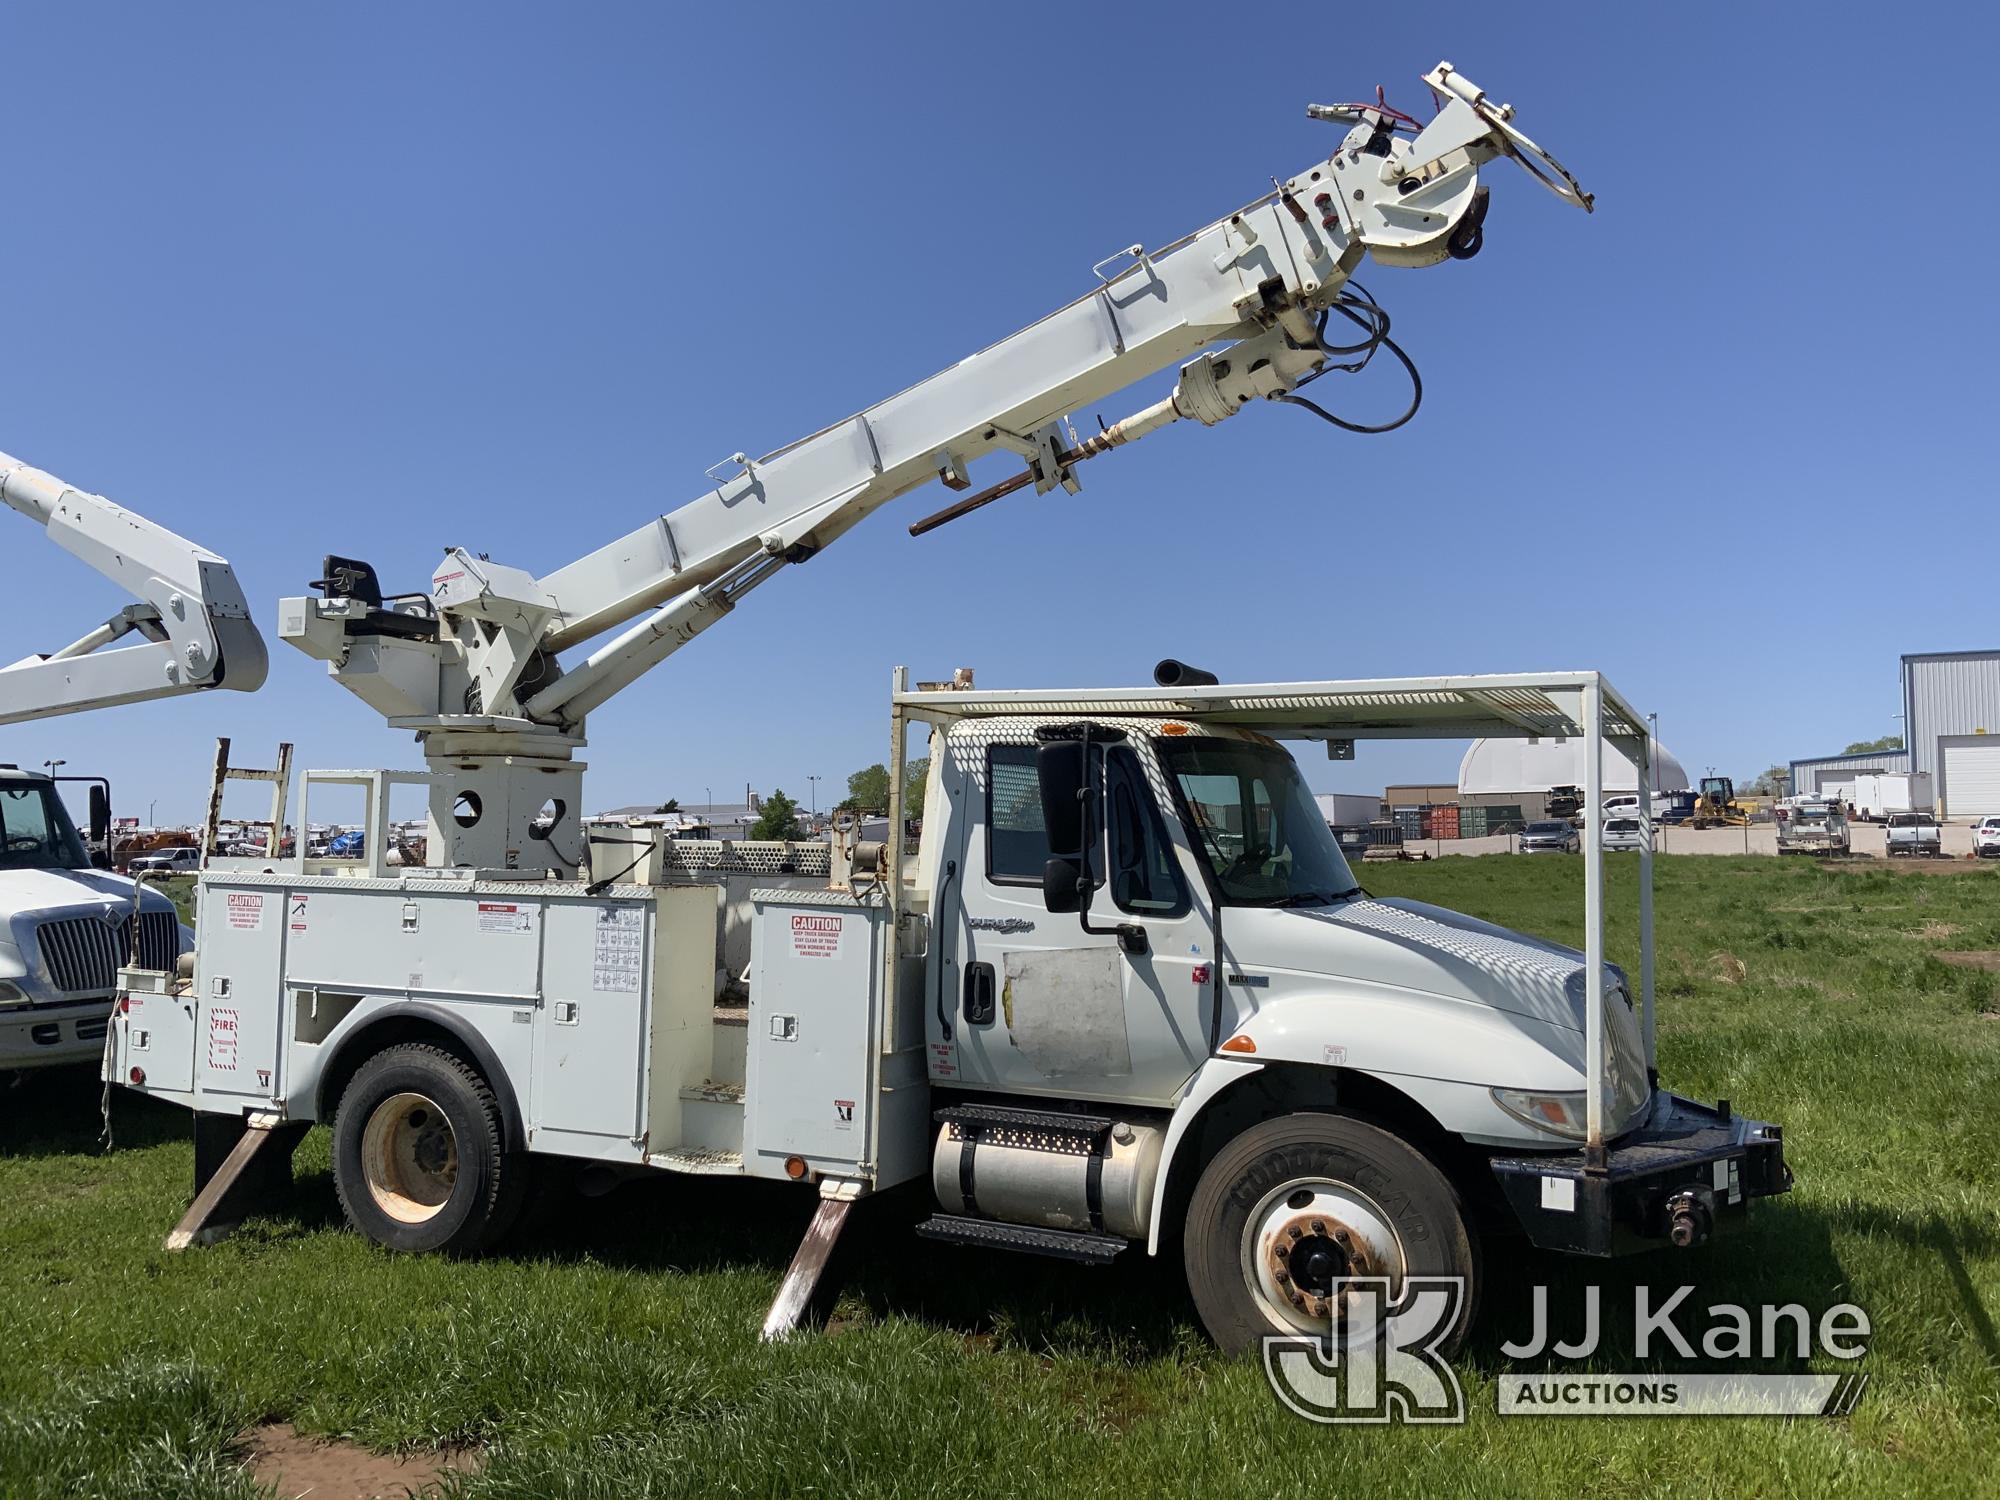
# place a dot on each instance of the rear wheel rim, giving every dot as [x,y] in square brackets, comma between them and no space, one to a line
[1306,1235]
[409,1158]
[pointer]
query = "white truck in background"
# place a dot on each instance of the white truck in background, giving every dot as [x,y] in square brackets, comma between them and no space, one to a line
[1128,992]
[66,925]
[1811,825]
[1876,796]
[1349,809]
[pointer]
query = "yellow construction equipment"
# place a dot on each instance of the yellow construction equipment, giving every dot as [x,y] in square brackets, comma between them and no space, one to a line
[1717,806]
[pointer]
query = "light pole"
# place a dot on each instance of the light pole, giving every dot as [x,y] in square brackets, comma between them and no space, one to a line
[149,811]
[1653,787]
[813,789]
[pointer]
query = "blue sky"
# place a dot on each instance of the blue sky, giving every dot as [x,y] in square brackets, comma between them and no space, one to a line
[377,280]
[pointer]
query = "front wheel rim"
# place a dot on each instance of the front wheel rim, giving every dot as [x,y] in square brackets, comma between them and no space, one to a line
[1303,1238]
[409,1158]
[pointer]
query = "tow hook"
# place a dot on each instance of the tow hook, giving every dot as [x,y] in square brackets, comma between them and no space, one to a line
[1687,1220]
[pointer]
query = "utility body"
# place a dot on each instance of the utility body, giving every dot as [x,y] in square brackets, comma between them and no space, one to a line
[1811,825]
[1125,991]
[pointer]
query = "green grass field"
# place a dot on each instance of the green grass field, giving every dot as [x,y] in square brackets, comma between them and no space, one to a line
[613,1352]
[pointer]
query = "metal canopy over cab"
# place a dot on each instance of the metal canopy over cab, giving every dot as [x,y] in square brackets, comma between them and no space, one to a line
[1528,705]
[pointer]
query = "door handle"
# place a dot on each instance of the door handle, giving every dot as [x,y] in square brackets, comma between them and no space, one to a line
[979,994]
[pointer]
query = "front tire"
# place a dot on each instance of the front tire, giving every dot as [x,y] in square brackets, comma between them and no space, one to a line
[1293,1204]
[419,1154]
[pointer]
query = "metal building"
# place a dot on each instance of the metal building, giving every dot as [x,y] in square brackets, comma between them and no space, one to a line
[1951,722]
[1831,774]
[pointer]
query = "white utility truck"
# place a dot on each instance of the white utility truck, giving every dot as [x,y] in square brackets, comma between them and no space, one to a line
[65,924]
[1127,992]
[1811,825]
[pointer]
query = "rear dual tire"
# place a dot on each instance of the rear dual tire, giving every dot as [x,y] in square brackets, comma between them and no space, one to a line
[419,1154]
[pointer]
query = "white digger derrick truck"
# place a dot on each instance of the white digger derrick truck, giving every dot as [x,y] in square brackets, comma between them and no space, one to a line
[66,923]
[1127,992]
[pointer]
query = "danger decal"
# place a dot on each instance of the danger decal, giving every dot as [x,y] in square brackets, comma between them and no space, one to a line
[505,916]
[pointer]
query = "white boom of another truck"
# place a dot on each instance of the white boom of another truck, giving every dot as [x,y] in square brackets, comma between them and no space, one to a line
[66,925]
[1127,993]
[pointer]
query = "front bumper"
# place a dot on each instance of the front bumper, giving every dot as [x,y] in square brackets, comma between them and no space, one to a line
[53,1036]
[1685,1172]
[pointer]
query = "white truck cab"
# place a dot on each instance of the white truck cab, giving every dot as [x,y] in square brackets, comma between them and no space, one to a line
[65,929]
[1126,994]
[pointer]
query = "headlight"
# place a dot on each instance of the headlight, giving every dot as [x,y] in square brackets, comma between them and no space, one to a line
[11,993]
[1559,1114]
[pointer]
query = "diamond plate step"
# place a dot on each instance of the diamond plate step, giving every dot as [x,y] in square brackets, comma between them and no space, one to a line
[700,1162]
[1063,1244]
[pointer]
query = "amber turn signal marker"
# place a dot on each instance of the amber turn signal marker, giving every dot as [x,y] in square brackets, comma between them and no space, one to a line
[795,1167]
[1239,1043]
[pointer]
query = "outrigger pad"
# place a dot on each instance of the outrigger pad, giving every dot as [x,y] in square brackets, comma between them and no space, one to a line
[239,1165]
[805,1292]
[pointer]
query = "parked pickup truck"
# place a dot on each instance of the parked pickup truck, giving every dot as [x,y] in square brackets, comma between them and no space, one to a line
[1914,833]
[1811,825]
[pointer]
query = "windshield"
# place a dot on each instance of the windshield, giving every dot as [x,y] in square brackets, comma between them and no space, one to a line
[35,830]
[1547,828]
[1256,826]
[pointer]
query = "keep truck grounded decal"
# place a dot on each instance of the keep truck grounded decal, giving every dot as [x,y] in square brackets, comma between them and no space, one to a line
[815,935]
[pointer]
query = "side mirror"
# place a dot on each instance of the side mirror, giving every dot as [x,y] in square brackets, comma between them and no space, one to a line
[1060,768]
[100,813]
[1062,885]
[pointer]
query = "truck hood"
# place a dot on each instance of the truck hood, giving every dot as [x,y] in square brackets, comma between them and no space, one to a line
[28,897]
[1409,945]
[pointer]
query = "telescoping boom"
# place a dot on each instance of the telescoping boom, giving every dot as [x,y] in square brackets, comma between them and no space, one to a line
[1242,306]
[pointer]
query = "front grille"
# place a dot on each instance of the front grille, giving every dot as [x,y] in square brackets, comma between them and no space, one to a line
[83,954]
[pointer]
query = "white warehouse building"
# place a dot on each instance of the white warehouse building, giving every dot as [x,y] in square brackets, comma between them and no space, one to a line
[1951,725]
[1522,771]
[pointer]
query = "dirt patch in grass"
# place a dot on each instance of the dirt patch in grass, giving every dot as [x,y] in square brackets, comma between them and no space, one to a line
[1730,969]
[1978,958]
[277,1456]
[1933,930]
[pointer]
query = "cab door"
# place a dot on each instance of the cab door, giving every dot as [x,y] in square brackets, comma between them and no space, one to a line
[1033,1002]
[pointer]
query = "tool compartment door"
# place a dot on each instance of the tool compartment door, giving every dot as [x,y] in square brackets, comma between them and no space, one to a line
[238,1012]
[816,967]
[590,1046]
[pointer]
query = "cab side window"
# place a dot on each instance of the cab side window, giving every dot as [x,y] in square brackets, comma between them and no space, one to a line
[1017,839]
[1145,873]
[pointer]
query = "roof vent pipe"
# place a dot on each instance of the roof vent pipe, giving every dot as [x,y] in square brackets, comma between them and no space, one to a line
[1177,674]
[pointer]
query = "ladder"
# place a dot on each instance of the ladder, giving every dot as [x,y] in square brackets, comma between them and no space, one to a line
[279,776]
